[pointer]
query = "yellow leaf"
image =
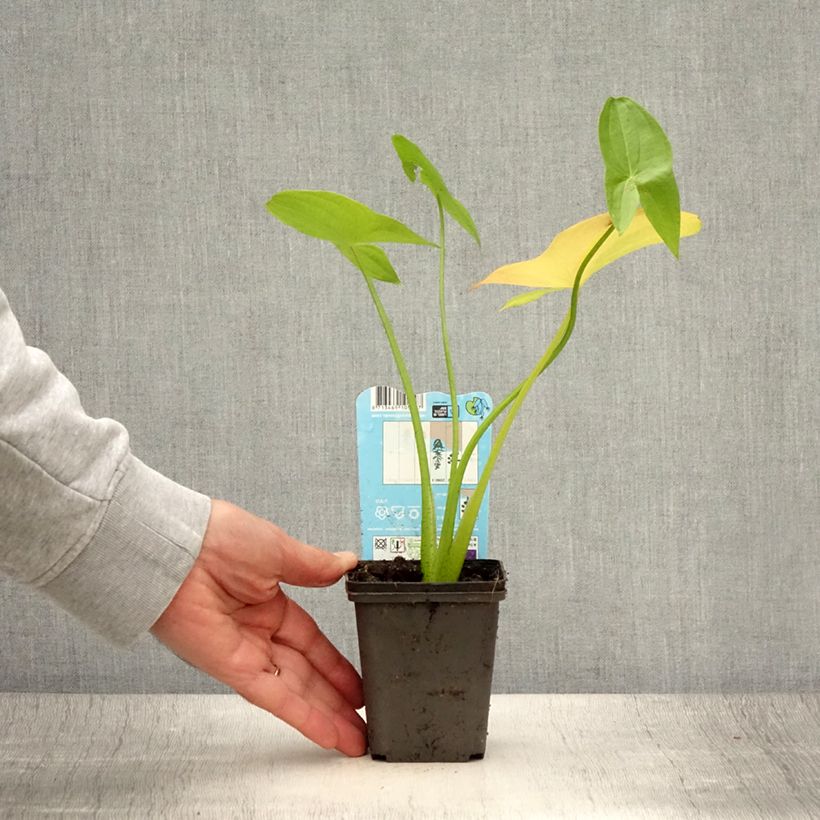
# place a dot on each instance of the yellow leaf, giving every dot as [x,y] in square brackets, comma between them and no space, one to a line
[557,267]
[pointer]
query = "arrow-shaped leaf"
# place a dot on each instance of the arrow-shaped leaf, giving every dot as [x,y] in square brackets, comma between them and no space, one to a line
[638,160]
[414,162]
[351,226]
[555,269]
[339,219]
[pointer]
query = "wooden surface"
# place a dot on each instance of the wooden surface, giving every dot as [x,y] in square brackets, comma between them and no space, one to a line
[611,756]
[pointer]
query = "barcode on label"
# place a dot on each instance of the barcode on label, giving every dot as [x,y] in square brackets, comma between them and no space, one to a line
[390,398]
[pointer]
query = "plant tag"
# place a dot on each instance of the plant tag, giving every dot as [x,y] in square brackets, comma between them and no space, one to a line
[389,481]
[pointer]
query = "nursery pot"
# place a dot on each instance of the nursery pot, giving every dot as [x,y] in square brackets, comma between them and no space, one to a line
[427,654]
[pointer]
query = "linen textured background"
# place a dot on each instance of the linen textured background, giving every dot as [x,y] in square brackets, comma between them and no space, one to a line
[656,505]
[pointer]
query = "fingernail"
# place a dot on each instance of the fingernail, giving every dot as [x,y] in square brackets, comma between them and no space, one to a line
[347,555]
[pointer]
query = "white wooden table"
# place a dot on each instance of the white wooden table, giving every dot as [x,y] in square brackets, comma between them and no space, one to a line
[612,756]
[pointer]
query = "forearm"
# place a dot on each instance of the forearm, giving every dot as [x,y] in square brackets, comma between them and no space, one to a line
[81,517]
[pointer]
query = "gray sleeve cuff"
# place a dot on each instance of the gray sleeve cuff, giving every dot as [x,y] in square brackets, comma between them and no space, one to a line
[146,543]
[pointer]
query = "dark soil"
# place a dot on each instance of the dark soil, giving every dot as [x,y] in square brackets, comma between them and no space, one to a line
[401,570]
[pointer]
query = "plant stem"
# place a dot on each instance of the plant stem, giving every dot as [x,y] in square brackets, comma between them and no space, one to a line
[428,510]
[457,477]
[450,510]
[469,447]
[457,480]
[445,337]
[453,488]
[449,565]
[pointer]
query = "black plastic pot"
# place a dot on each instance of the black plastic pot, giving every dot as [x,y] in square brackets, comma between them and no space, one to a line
[427,653]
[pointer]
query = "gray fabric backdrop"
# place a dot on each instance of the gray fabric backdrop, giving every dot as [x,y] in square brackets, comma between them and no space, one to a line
[657,503]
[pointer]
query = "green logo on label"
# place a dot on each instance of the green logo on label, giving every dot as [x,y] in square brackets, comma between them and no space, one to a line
[476,406]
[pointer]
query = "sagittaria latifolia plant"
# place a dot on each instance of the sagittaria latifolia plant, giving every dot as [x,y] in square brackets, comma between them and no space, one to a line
[643,208]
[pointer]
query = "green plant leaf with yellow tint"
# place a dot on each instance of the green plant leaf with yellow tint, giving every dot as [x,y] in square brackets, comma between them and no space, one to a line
[371,260]
[339,219]
[351,226]
[526,297]
[555,269]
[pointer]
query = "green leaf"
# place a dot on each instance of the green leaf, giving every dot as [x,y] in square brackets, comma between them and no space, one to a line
[638,161]
[526,297]
[414,162]
[371,260]
[339,219]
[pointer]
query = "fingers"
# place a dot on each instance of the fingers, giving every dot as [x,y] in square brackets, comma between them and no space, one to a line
[292,626]
[307,566]
[301,678]
[312,684]
[249,556]
[299,630]
[273,695]
[314,719]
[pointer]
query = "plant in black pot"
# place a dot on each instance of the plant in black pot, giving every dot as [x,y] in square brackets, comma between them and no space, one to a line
[427,627]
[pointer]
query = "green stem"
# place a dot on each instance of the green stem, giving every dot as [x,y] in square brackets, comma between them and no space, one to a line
[457,481]
[457,477]
[446,534]
[445,337]
[428,510]
[449,565]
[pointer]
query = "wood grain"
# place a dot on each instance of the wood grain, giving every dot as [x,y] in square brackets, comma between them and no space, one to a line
[609,756]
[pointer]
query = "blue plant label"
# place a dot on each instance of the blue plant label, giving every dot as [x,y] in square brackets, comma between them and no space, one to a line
[389,481]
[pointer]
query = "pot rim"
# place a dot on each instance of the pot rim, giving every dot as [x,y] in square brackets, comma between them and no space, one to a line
[410,592]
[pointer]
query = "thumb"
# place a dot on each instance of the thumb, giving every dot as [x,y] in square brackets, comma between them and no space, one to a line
[307,566]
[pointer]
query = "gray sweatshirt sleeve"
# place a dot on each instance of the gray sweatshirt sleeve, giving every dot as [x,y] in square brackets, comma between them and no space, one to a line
[81,518]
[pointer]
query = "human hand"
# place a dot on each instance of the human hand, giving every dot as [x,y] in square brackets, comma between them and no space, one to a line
[231,619]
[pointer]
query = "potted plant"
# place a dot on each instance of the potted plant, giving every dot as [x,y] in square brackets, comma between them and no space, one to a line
[427,628]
